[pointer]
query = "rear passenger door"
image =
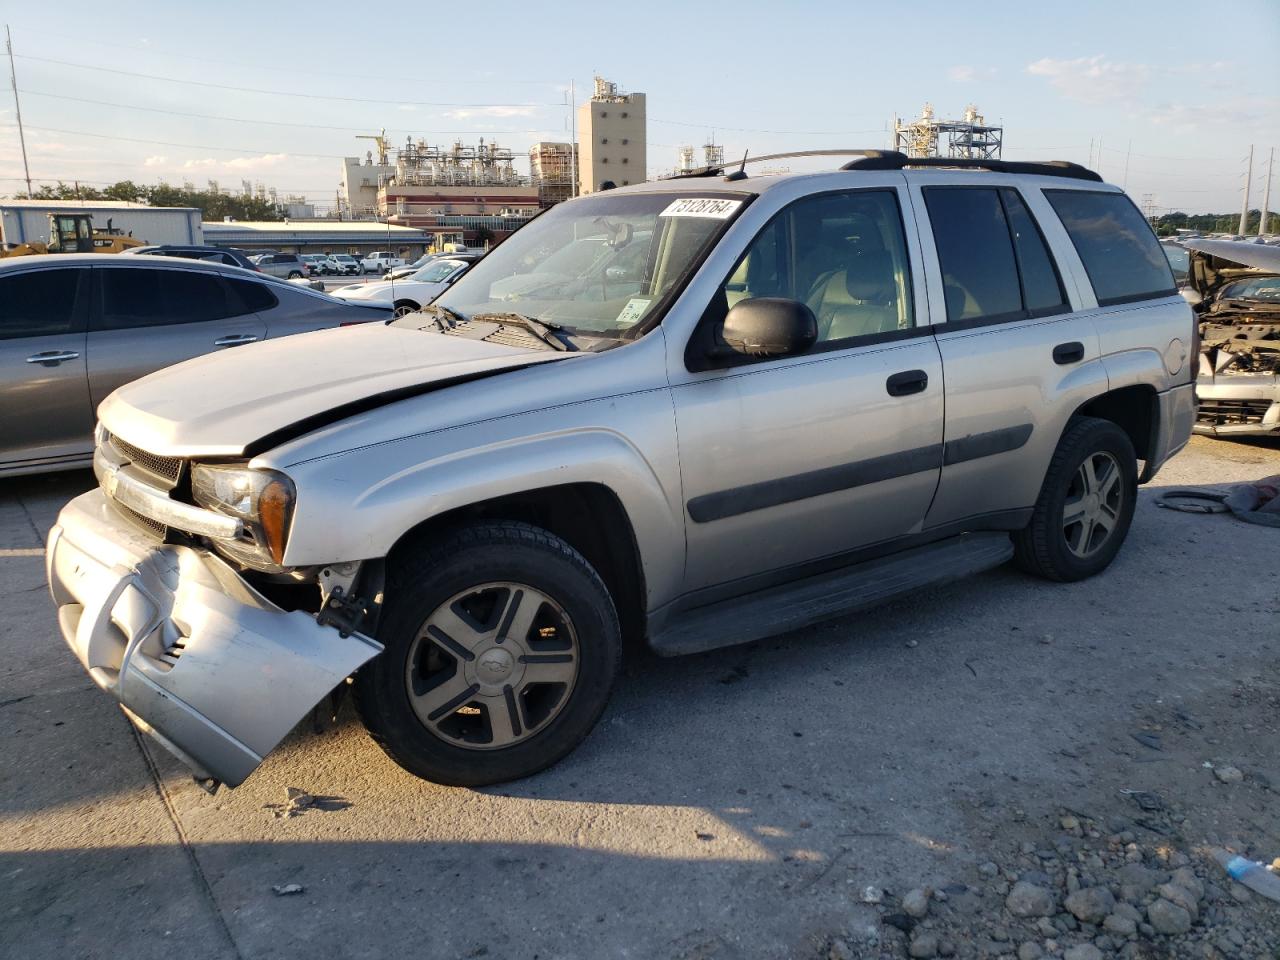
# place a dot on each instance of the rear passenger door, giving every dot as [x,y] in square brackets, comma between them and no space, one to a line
[45,413]
[148,318]
[1017,359]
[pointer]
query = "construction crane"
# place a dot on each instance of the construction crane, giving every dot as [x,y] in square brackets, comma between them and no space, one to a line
[384,145]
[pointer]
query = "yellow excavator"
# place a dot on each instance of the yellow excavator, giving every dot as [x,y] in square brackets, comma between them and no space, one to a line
[74,233]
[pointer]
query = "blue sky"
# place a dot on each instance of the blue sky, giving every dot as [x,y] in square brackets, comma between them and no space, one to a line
[1174,91]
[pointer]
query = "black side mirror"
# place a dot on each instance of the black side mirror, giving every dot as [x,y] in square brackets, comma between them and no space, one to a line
[765,327]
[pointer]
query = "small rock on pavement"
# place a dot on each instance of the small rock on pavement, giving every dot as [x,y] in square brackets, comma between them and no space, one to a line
[872,895]
[1183,898]
[916,903]
[1228,774]
[1120,926]
[1028,900]
[287,889]
[1090,904]
[988,869]
[839,950]
[1168,918]
[1082,951]
[1030,951]
[923,946]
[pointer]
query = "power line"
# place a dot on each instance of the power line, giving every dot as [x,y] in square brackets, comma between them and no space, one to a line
[274,123]
[798,133]
[273,93]
[192,146]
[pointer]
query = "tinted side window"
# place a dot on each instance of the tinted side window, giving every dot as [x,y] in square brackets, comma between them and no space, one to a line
[39,303]
[151,298]
[843,254]
[979,273]
[1041,288]
[1120,253]
[252,296]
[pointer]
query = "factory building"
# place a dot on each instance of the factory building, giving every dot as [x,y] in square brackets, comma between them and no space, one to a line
[553,168]
[27,221]
[360,182]
[356,237]
[611,138]
[460,193]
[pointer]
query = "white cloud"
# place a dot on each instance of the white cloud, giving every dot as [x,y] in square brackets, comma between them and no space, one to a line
[257,163]
[200,164]
[490,112]
[1093,79]
[966,73]
[156,161]
[1242,112]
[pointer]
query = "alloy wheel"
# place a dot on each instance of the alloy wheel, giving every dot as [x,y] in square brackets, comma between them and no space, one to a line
[1093,505]
[492,666]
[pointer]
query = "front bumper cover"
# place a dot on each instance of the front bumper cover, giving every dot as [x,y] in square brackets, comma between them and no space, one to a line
[199,660]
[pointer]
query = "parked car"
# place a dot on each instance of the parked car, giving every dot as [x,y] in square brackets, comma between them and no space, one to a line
[413,292]
[380,262]
[343,264]
[401,273]
[74,327]
[317,263]
[232,258]
[1235,286]
[288,266]
[819,392]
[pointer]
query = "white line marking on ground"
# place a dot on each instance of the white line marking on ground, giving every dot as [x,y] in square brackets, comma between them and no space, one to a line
[21,552]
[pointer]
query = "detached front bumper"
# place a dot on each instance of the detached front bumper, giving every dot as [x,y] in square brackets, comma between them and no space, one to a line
[198,659]
[1240,406]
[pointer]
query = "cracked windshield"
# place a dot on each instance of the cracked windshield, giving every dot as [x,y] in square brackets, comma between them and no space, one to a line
[596,268]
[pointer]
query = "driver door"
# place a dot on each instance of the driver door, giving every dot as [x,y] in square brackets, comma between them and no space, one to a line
[793,460]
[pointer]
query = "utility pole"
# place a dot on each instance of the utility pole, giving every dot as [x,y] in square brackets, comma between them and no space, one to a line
[1248,180]
[573,140]
[13,79]
[1266,194]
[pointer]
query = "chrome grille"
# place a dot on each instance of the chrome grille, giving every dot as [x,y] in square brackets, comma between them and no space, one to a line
[168,469]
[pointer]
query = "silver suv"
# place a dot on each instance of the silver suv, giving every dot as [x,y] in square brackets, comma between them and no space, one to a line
[690,413]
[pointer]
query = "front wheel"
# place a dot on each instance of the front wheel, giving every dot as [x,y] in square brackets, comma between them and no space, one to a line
[404,307]
[501,648]
[1085,506]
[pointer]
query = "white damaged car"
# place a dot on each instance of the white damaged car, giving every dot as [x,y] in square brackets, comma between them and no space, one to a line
[411,294]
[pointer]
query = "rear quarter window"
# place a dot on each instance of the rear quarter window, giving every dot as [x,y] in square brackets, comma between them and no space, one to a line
[1119,251]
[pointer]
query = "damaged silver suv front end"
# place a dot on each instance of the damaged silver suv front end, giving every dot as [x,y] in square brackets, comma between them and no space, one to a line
[1237,285]
[197,656]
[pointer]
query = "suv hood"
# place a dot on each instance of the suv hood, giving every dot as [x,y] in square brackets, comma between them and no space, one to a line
[225,404]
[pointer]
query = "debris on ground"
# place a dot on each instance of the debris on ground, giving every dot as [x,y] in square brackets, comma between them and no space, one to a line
[287,889]
[1082,888]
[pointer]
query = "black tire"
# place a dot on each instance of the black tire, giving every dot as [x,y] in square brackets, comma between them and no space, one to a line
[1044,547]
[455,562]
[403,307]
[293,275]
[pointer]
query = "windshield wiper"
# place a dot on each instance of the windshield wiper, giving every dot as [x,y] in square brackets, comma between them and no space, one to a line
[539,328]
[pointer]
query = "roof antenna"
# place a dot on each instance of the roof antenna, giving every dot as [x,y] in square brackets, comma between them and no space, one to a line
[741,172]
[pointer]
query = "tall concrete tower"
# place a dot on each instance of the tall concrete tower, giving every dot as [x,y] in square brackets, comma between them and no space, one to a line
[611,137]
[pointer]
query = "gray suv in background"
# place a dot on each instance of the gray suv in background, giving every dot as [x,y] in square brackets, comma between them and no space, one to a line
[688,413]
[287,266]
[73,327]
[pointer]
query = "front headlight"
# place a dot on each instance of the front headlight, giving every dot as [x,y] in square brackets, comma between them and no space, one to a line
[262,499]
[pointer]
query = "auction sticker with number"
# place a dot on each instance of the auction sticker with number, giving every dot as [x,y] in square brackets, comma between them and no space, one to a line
[633,311]
[701,207]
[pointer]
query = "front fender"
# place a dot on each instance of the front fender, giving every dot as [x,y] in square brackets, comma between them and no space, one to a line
[357,505]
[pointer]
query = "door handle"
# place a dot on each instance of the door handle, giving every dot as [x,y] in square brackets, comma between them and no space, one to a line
[51,358]
[1072,352]
[907,382]
[235,340]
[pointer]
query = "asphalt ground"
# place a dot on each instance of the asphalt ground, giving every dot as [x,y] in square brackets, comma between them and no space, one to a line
[729,805]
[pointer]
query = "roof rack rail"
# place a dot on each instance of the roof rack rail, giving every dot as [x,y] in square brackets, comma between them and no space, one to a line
[895,160]
[717,171]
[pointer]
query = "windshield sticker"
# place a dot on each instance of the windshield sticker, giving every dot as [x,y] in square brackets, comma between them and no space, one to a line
[633,311]
[701,207]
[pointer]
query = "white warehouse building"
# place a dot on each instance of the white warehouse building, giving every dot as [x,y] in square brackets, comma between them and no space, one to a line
[27,221]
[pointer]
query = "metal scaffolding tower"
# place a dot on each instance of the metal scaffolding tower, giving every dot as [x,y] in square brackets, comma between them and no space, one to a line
[969,138]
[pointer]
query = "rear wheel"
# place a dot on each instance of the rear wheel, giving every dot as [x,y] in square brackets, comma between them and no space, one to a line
[1085,506]
[294,275]
[405,306]
[502,645]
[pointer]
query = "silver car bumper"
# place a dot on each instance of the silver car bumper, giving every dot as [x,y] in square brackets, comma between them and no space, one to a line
[199,659]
